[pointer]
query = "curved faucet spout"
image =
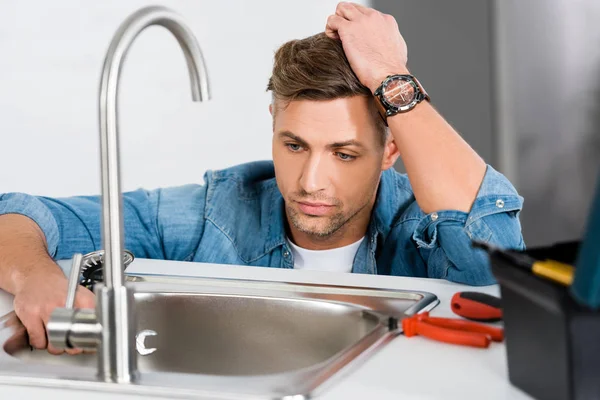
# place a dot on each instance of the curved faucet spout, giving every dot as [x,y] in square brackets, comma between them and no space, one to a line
[117,358]
[122,40]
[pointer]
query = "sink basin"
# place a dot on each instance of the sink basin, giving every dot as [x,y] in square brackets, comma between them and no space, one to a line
[230,338]
[233,335]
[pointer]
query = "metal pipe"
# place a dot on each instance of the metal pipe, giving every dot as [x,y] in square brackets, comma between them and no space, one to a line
[118,341]
[73,280]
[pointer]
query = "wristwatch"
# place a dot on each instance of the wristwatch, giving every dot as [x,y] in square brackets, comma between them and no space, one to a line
[398,94]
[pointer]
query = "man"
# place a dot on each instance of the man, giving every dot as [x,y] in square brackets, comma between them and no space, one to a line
[330,199]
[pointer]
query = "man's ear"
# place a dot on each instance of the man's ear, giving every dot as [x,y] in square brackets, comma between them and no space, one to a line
[390,153]
[271,109]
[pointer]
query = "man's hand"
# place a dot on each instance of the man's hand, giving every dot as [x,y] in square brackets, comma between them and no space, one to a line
[371,40]
[40,294]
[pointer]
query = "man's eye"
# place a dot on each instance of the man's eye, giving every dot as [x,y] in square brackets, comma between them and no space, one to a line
[345,157]
[294,147]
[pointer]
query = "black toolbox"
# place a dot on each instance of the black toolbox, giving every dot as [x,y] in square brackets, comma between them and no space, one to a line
[552,343]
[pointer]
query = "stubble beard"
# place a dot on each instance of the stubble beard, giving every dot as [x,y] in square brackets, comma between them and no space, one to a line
[333,225]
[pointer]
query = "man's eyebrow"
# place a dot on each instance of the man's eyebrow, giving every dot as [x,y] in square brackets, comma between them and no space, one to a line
[334,145]
[290,135]
[345,143]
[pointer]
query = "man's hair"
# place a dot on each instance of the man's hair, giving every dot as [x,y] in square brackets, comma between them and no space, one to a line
[316,68]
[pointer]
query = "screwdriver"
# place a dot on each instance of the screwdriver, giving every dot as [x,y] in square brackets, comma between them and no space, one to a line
[549,269]
[477,306]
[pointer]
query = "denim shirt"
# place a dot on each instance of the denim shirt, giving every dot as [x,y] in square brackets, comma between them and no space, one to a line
[237,216]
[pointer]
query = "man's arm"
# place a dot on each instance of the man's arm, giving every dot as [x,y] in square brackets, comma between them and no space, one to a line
[22,252]
[35,231]
[458,197]
[28,272]
[444,171]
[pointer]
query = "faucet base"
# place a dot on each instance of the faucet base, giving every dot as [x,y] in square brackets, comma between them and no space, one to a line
[117,361]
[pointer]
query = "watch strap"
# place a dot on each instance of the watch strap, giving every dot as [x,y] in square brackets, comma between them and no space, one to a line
[422,93]
[383,111]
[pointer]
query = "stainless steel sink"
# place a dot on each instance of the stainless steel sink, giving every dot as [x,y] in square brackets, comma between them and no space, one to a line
[234,335]
[230,338]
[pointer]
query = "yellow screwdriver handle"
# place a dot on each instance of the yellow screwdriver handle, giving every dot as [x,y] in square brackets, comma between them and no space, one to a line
[554,270]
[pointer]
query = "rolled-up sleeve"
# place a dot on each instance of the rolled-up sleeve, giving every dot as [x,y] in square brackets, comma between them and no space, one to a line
[34,208]
[444,238]
[164,223]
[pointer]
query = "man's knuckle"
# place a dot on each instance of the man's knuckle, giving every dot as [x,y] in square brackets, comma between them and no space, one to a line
[19,309]
[54,351]
[37,339]
[46,310]
[32,311]
[85,299]
[390,19]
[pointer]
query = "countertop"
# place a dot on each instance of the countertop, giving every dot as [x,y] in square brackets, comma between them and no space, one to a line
[406,368]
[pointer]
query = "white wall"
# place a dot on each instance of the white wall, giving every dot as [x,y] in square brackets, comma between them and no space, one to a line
[51,54]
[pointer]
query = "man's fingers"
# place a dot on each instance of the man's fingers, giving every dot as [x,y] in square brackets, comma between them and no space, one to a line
[348,11]
[84,298]
[363,9]
[73,352]
[331,34]
[334,24]
[53,350]
[36,332]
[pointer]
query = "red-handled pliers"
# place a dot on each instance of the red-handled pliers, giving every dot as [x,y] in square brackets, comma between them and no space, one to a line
[451,330]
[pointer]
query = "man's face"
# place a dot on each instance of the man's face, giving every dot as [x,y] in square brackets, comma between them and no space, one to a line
[328,158]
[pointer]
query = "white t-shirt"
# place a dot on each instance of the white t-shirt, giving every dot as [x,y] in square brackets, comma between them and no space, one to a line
[334,260]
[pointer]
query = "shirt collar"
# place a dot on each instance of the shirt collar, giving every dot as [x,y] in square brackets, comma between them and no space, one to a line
[275,231]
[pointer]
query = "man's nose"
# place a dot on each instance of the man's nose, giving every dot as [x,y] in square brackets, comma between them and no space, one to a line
[314,174]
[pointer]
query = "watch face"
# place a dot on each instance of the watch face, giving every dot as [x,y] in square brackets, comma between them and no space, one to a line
[399,92]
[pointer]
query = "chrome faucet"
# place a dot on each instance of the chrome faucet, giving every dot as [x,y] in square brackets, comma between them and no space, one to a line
[111,329]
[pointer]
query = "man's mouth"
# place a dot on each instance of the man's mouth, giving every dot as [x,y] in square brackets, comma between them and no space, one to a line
[314,209]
